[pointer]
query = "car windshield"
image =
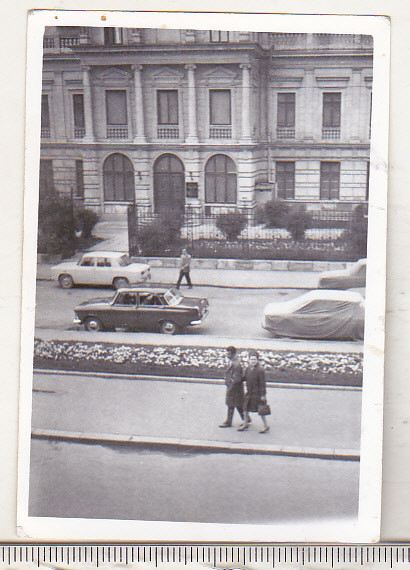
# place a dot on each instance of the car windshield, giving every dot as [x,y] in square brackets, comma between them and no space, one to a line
[172,297]
[124,260]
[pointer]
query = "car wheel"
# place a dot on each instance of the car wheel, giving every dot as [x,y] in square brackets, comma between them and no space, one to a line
[93,324]
[168,327]
[120,282]
[66,281]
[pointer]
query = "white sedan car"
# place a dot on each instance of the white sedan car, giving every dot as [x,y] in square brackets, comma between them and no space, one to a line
[101,268]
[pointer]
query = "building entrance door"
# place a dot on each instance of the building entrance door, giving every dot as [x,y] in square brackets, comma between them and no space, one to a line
[169,186]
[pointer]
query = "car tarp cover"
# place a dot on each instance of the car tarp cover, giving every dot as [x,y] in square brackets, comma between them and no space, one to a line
[320,319]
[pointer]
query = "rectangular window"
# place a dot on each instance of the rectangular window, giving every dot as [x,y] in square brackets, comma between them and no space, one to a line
[45,112]
[78,111]
[285,180]
[367,180]
[331,110]
[220,106]
[286,109]
[329,180]
[46,177]
[116,105]
[79,178]
[167,105]
[218,36]
[113,36]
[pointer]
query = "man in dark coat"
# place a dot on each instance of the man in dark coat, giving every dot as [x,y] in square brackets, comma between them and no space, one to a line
[234,387]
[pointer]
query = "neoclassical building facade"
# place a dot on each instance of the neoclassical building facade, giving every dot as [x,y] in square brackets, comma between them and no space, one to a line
[210,120]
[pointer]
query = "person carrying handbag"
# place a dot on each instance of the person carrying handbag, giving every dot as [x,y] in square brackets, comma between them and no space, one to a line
[255,397]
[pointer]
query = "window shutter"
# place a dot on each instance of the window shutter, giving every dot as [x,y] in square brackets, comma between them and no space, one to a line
[116,107]
[220,107]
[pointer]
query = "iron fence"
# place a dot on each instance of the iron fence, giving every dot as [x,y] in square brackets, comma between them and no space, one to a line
[244,236]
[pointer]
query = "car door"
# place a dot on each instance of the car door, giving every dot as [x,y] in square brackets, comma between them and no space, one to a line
[151,311]
[85,271]
[103,271]
[124,310]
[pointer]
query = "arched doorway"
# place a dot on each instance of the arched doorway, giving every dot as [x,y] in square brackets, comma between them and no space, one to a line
[220,180]
[118,179]
[169,185]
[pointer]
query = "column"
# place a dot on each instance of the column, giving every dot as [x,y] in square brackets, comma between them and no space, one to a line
[192,134]
[88,107]
[139,106]
[355,102]
[312,108]
[246,102]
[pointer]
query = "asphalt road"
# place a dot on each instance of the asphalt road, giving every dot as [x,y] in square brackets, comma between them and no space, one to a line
[120,482]
[235,313]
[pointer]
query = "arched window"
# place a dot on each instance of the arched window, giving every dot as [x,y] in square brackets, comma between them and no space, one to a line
[169,184]
[118,179]
[220,180]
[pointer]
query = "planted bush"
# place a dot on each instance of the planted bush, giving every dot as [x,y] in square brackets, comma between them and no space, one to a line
[297,222]
[231,224]
[152,238]
[56,227]
[356,236]
[85,221]
[276,213]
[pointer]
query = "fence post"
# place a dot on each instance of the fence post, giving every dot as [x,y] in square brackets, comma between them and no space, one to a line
[132,222]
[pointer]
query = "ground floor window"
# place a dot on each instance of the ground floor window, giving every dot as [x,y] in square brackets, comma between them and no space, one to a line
[285,180]
[79,179]
[220,180]
[118,179]
[329,180]
[46,182]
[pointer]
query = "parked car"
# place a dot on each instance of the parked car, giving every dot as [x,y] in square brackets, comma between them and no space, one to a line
[354,276]
[142,308]
[318,314]
[101,268]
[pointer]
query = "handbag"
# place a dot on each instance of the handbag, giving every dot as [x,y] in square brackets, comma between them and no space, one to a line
[264,410]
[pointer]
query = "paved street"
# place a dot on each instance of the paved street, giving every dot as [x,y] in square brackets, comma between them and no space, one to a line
[232,312]
[122,482]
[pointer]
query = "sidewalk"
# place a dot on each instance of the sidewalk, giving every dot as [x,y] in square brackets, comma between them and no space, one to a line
[310,423]
[235,278]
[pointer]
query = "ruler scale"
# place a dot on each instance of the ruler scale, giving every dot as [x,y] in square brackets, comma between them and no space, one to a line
[228,557]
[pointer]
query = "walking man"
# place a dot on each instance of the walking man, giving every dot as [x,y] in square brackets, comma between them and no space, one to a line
[184,268]
[234,387]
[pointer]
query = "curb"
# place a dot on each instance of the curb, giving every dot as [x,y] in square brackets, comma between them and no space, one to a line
[190,380]
[198,445]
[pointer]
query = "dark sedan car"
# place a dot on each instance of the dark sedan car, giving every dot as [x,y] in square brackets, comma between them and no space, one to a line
[162,310]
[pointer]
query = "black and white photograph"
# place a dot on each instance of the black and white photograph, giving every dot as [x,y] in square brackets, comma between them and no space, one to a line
[203,276]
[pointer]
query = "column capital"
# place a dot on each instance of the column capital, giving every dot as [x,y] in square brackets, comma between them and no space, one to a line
[190,66]
[86,67]
[245,66]
[136,67]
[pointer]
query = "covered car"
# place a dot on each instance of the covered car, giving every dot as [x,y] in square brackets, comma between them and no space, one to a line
[327,315]
[352,277]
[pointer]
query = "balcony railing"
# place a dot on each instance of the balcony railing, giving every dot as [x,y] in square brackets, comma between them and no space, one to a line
[220,132]
[285,132]
[116,133]
[330,133]
[168,132]
[48,43]
[69,42]
[79,133]
[45,132]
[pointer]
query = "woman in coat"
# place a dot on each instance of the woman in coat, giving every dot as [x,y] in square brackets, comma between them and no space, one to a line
[255,390]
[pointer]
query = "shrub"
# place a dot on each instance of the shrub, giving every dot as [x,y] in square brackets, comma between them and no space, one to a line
[231,224]
[356,236]
[56,227]
[158,234]
[297,222]
[276,213]
[85,221]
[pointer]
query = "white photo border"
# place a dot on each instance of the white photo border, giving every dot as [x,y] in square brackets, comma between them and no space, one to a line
[367,526]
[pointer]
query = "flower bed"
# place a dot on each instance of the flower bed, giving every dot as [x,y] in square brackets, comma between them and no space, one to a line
[206,362]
